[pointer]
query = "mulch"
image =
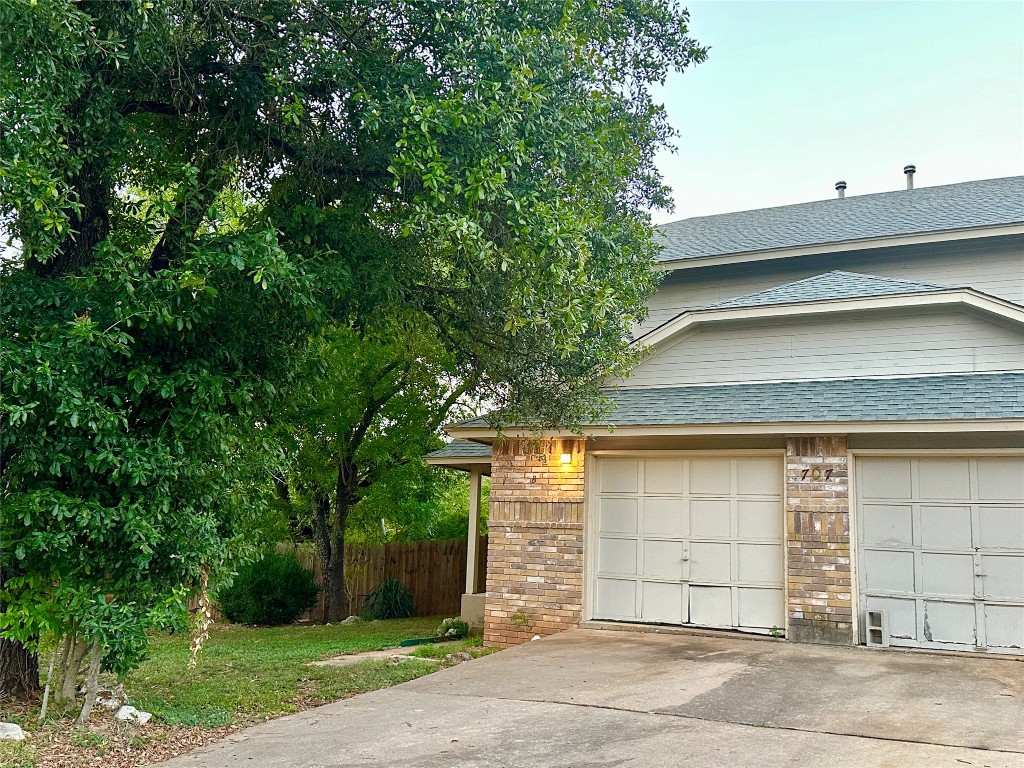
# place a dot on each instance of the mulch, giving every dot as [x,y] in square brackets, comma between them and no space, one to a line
[112,743]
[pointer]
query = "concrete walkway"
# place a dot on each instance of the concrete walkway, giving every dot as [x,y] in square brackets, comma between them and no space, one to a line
[600,698]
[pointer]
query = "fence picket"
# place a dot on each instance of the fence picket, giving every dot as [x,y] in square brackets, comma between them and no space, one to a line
[433,571]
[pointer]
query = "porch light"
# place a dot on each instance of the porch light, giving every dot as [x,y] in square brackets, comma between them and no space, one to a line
[566,458]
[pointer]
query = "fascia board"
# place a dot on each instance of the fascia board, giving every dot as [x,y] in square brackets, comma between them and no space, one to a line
[773,428]
[443,461]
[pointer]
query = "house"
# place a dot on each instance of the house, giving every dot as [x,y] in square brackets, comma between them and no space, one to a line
[825,442]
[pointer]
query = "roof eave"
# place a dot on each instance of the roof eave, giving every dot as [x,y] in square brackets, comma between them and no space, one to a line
[923,426]
[462,463]
[966,297]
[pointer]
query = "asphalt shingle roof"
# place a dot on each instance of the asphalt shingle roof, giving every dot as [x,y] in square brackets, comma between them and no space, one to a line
[990,202]
[460,449]
[917,398]
[828,286]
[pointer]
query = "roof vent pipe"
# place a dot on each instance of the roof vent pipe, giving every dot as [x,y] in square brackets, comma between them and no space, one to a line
[910,170]
[841,189]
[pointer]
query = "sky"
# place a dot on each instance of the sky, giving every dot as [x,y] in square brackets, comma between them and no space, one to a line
[795,96]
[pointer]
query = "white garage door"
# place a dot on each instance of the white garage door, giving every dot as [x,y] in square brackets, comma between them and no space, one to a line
[690,540]
[942,549]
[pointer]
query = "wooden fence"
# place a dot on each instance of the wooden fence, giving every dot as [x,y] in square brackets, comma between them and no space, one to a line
[433,571]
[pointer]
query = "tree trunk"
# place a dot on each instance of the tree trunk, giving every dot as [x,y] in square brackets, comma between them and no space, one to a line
[19,671]
[329,537]
[322,541]
[19,667]
[336,607]
[92,682]
[69,670]
[343,499]
[335,604]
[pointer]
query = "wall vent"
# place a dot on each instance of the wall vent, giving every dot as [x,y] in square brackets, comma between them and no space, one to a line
[877,629]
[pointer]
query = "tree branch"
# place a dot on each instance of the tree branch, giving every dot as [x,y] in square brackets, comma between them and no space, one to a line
[214,172]
[449,402]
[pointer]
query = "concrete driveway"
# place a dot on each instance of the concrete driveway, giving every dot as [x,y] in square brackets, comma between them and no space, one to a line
[613,698]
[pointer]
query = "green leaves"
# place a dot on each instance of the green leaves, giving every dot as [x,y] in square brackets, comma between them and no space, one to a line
[230,216]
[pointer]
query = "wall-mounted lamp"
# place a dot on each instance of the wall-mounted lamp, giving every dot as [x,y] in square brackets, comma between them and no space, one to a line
[566,458]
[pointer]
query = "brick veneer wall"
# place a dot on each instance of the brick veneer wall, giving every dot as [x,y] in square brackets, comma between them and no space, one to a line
[818,540]
[535,541]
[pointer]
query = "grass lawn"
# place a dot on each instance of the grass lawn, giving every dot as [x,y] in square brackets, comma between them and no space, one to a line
[244,675]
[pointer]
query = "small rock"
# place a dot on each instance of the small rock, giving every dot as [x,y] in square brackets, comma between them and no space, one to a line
[11,732]
[535,637]
[133,715]
[353,620]
[111,698]
[460,657]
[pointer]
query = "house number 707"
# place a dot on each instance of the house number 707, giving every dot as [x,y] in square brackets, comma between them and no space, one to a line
[815,474]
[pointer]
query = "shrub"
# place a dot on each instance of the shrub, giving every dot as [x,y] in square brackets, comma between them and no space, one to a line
[270,591]
[389,600]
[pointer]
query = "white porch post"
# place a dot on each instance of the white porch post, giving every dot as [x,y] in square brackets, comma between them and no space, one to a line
[473,536]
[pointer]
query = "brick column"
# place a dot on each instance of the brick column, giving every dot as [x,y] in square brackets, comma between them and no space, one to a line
[534,540]
[818,540]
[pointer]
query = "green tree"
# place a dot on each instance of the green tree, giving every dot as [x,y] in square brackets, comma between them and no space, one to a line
[367,405]
[195,188]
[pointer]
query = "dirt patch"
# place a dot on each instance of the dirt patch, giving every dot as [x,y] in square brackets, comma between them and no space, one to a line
[354,658]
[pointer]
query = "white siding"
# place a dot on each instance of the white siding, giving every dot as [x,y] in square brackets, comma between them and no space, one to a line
[874,344]
[994,267]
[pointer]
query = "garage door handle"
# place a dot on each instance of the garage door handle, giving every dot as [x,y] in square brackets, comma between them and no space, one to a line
[685,558]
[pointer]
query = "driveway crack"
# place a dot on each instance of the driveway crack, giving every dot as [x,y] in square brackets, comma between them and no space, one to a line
[698,718]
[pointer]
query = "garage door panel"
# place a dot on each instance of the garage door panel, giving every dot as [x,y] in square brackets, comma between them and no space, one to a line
[945,574]
[758,477]
[1001,528]
[945,527]
[885,479]
[889,571]
[888,524]
[663,476]
[946,479]
[951,572]
[619,475]
[1003,576]
[902,615]
[759,563]
[758,520]
[711,606]
[949,622]
[617,556]
[710,562]
[760,608]
[618,515]
[710,518]
[666,517]
[662,602]
[663,559]
[1004,626]
[711,476]
[1001,479]
[616,598]
[690,539]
